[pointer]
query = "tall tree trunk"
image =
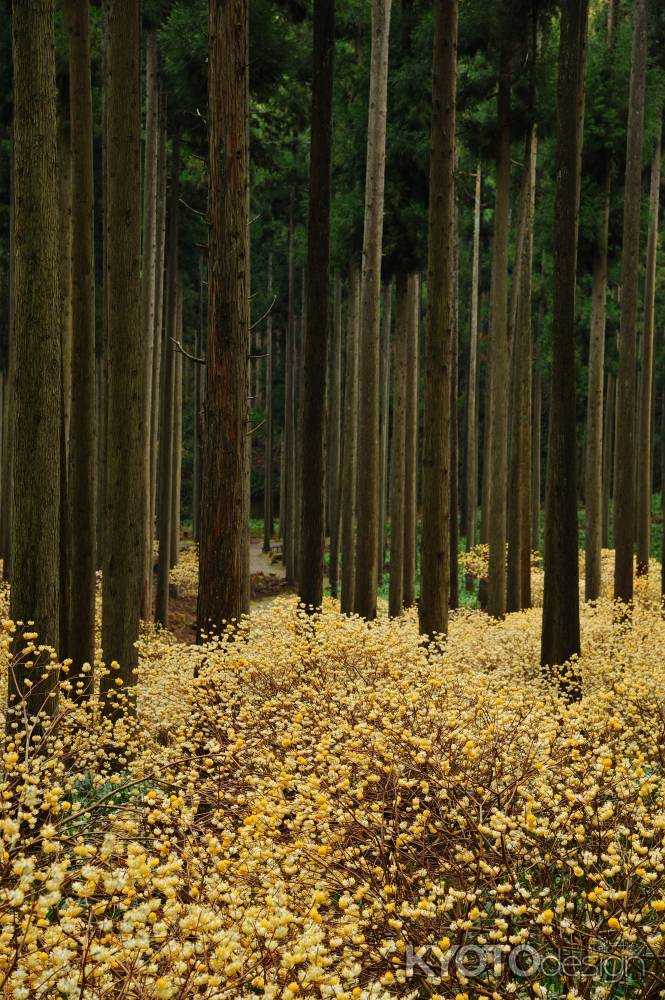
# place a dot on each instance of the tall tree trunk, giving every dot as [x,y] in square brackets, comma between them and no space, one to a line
[7,438]
[148,285]
[36,345]
[335,433]
[500,357]
[224,553]
[9,393]
[644,436]
[299,435]
[102,423]
[257,368]
[349,477]
[282,487]
[608,456]
[454,519]
[384,417]
[367,539]
[159,347]
[536,433]
[593,477]
[662,497]
[439,331]
[315,346]
[65,313]
[398,456]
[125,519]
[519,493]
[486,484]
[3,457]
[290,418]
[177,443]
[471,408]
[561,611]
[624,483]
[524,369]
[101,392]
[593,456]
[268,519]
[165,479]
[198,403]
[82,443]
[412,424]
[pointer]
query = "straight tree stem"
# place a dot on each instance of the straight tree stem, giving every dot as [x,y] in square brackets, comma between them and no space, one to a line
[367,539]
[624,480]
[439,354]
[561,613]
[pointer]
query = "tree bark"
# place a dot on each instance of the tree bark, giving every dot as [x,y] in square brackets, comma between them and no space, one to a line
[561,612]
[82,436]
[101,394]
[36,371]
[644,436]
[299,435]
[65,313]
[486,484]
[315,346]
[282,487]
[335,433]
[524,369]
[624,483]
[384,418]
[439,331]
[608,456]
[593,477]
[367,539]
[148,286]
[7,438]
[471,408]
[125,519]
[537,419]
[268,525]
[165,486]
[104,365]
[593,456]
[519,493]
[454,519]
[8,424]
[159,347]
[176,479]
[500,357]
[350,448]
[290,418]
[223,566]
[198,404]
[398,456]
[662,497]
[3,458]
[412,427]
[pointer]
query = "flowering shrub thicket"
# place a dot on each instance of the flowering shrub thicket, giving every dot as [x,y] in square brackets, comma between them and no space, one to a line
[321,807]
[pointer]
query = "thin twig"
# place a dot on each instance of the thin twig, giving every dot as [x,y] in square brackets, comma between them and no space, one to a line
[265,315]
[196,211]
[186,354]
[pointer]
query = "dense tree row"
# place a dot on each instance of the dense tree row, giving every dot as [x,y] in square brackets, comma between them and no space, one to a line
[252,262]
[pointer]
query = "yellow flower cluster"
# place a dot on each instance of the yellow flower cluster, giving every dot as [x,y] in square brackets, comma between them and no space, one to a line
[301,806]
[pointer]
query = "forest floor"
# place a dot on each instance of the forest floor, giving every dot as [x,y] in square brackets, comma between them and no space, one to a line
[323,807]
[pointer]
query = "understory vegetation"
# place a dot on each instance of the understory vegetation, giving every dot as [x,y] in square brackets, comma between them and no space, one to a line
[323,806]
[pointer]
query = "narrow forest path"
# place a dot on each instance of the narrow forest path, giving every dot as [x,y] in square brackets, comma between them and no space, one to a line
[267,582]
[262,562]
